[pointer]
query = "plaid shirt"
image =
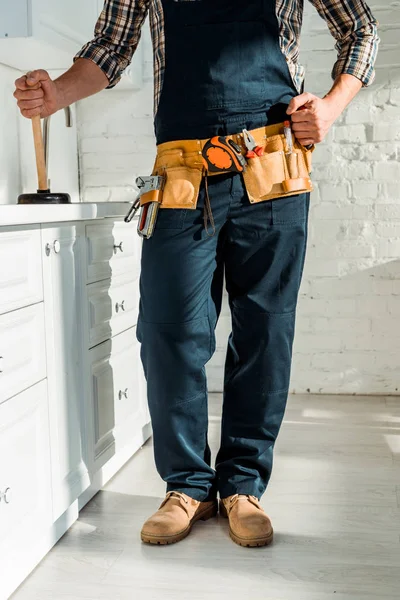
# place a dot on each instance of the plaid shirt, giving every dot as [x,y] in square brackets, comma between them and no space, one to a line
[351,23]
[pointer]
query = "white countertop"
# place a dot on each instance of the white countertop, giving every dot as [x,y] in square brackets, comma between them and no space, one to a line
[27,214]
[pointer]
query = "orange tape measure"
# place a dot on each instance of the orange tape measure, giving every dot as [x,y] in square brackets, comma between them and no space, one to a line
[221,155]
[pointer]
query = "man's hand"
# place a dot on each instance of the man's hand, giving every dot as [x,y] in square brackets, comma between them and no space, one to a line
[312,117]
[36,94]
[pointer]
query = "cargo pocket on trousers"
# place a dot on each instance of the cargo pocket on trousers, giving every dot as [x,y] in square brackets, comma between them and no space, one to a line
[289,211]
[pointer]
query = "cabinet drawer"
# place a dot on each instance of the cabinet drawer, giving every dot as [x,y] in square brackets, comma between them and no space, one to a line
[112,249]
[21,282]
[113,307]
[25,493]
[22,350]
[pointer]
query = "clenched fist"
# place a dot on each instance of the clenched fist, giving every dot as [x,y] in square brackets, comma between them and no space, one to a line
[36,94]
[312,117]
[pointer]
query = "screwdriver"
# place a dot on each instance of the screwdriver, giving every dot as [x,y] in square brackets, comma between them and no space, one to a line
[287,130]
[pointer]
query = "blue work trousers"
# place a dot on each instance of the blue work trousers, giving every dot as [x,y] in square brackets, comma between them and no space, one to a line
[260,249]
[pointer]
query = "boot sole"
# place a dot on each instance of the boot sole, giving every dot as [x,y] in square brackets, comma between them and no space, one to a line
[246,542]
[166,540]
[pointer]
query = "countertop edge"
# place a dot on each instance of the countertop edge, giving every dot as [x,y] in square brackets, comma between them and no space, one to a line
[14,214]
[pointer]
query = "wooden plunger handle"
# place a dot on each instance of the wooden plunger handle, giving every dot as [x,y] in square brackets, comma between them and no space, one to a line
[43,183]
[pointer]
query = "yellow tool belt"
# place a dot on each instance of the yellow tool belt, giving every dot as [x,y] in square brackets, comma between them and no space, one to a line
[275,174]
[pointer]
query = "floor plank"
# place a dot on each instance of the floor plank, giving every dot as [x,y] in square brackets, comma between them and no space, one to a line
[334,499]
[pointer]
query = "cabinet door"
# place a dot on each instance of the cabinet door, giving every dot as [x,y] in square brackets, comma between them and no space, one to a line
[119,407]
[68,25]
[25,484]
[22,350]
[44,32]
[14,19]
[102,405]
[61,259]
[131,413]
[20,268]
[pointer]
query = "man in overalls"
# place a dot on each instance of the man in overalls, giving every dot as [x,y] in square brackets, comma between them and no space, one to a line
[221,66]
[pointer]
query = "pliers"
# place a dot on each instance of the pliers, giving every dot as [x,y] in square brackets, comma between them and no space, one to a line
[252,149]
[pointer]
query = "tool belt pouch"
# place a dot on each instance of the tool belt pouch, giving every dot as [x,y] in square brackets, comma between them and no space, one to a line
[182,174]
[278,173]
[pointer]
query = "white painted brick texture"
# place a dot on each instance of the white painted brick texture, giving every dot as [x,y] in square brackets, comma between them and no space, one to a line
[348,334]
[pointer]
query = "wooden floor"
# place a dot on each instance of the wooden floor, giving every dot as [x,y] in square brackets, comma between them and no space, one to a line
[334,500]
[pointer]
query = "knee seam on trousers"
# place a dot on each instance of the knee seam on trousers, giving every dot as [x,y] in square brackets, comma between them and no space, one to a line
[173,322]
[289,313]
[189,400]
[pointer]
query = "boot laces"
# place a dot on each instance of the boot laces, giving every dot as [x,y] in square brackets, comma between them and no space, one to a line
[236,497]
[176,495]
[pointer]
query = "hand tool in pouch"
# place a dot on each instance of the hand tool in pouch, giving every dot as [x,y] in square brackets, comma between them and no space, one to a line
[222,155]
[43,195]
[253,150]
[149,199]
[294,183]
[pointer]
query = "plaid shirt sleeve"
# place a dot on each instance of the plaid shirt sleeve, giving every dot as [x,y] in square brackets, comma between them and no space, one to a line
[353,26]
[117,36]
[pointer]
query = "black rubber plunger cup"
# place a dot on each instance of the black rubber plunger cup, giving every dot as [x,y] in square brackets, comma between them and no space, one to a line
[43,195]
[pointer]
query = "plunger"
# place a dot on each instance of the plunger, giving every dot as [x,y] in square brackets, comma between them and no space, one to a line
[43,195]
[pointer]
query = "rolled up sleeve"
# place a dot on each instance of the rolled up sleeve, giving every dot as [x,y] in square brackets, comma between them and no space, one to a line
[117,35]
[356,33]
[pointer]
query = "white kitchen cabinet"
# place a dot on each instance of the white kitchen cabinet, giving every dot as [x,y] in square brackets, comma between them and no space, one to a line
[130,404]
[61,273]
[113,307]
[22,350]
[25,483]
[112,249]
[21,282]
[45,32]
[102,405]
[119,406]
[72,391]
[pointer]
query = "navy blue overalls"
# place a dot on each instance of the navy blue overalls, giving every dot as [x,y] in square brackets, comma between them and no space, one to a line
[224,72]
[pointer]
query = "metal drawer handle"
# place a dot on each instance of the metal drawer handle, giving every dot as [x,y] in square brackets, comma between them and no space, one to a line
[1,358]
[120,306]
[6,496]
[118,247]
[121,394]
[56,246]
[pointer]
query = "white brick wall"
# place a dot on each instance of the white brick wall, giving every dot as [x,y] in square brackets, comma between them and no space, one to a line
[348,338]
[116,137]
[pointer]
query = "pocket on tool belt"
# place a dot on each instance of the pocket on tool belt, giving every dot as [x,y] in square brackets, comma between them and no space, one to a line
[181,188]
[264,175]
[277,173]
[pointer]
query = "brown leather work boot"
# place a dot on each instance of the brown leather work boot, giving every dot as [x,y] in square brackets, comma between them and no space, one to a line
[175,518]
[248,523]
